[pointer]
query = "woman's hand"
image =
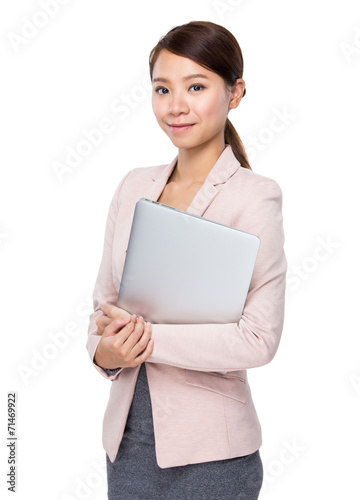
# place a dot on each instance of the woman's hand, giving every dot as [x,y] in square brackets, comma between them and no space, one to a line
[110,313]
[124,343]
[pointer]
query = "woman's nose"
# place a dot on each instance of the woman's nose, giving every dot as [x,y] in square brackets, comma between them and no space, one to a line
[178,104]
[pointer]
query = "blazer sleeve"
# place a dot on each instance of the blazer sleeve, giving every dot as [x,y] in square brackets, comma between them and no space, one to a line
[105,290]
[254,340]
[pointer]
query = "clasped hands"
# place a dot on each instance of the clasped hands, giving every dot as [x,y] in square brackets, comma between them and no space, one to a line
[125,339]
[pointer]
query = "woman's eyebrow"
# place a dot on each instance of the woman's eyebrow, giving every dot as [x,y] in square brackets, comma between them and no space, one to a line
[195,75]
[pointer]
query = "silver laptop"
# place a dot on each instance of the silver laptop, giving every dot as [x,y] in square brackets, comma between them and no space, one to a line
[182,268]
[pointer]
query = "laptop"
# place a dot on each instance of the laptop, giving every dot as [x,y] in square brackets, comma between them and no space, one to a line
[181,268]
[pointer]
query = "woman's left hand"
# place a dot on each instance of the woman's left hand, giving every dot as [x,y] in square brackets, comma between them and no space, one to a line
[110,313]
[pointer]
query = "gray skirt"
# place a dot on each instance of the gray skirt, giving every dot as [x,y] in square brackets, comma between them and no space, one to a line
[135,475]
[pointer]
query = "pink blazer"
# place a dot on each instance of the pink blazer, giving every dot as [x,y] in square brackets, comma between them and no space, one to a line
[199,415]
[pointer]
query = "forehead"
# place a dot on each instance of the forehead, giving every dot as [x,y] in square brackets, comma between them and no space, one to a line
[171,67]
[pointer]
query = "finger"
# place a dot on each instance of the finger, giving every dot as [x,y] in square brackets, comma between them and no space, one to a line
[144,356]
[102,322]
[102,325]
[142,340]
[118,324]
[128,337]
[100,330]
[106,309]
[123,330]
[113,311]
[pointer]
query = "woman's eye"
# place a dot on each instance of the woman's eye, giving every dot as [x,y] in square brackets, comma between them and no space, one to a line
[197,87]
[162,89]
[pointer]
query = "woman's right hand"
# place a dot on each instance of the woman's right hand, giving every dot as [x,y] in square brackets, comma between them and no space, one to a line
[124,343]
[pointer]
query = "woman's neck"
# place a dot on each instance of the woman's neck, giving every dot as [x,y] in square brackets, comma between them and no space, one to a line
[193,165]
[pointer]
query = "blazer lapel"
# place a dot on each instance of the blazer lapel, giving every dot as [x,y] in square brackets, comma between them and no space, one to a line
[225,166]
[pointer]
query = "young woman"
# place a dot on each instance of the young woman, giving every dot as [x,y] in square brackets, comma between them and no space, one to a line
[174,427]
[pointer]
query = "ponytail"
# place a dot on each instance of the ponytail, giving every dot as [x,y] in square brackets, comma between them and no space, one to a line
[233,138]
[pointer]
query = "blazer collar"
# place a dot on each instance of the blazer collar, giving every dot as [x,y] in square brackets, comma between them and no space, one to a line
[225,166]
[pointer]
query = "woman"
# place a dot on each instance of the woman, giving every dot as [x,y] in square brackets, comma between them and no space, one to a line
[173,428]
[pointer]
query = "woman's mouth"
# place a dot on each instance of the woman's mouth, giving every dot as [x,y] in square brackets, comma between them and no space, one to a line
[181,127]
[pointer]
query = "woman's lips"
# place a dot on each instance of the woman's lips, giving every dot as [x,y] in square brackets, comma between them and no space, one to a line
[179,128]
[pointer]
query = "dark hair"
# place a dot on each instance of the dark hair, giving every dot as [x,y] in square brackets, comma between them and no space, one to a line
[215,48]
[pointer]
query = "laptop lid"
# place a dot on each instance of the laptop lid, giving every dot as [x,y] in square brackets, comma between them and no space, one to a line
[182,268]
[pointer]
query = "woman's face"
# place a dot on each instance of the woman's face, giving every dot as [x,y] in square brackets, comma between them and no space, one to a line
[190,103]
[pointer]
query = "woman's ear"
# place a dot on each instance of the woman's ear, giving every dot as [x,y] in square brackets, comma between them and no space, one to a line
[237,93]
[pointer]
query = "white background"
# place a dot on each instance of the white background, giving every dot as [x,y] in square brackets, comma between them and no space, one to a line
[301,59]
